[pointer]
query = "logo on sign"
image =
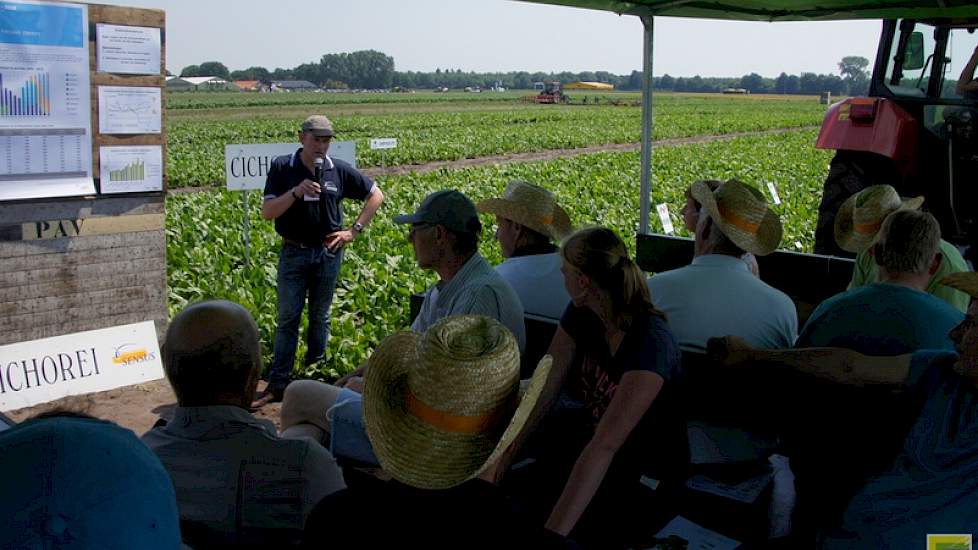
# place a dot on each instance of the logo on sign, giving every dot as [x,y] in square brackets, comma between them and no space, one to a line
[129,354]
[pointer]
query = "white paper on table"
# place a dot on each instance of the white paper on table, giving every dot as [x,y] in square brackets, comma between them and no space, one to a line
[746,491]
[129,110]
[699,538]
[127,50]
[131,168]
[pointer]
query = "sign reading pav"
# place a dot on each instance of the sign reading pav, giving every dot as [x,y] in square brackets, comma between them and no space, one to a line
[97,360]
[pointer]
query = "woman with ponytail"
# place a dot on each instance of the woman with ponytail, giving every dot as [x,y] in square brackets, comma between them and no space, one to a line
[614,353]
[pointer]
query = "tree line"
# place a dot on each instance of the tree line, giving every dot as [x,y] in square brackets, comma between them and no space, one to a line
[370,69]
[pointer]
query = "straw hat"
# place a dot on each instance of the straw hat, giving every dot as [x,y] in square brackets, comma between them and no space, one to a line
[442,406]
[861,216]
[742,214]
[532,206]
[965,281]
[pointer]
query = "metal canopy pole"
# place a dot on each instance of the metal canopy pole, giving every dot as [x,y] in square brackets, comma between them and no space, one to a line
[646,197]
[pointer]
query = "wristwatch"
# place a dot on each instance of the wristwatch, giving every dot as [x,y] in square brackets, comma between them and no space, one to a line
[358,227]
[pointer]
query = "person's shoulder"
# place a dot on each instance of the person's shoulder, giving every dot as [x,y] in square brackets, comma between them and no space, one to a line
[344,167]
[671,276]
[282,161]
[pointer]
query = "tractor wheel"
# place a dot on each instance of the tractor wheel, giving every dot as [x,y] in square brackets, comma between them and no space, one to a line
[849,174]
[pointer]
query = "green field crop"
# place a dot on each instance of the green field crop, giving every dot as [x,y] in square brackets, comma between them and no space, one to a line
[205,251]
[196,147]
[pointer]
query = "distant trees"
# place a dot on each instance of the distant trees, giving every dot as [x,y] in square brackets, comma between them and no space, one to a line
[373,69]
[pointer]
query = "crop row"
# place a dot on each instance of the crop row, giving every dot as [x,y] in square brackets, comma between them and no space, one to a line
[206,254]
[196,148]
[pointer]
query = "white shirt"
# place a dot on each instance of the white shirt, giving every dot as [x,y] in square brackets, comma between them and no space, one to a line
[538,282]
[717,295]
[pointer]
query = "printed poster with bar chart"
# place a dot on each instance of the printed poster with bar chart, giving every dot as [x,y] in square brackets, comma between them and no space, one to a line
[45,113]
[130,169]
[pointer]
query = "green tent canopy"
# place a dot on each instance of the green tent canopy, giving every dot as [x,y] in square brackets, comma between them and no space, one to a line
[772,10]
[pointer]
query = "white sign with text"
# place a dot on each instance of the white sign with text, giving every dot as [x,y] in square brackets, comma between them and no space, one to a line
[383,143]
[246,165]
[75,364]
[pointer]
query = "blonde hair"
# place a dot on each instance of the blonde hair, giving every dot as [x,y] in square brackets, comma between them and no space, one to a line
[600,254]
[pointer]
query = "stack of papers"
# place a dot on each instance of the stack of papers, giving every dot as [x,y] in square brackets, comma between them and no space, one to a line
[682,534]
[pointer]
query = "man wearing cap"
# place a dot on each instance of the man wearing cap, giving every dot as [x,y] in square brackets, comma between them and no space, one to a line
[859,221]
[303,194]
[445,233]
[528,222]
[237,482]
[717,294]
[932,486]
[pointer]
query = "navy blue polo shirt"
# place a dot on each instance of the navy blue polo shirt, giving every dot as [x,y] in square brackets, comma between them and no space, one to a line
[308,222]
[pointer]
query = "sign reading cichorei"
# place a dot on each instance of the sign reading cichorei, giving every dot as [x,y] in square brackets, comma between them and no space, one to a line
[97,360]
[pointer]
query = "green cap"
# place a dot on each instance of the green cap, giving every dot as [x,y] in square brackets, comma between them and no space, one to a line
[448,208]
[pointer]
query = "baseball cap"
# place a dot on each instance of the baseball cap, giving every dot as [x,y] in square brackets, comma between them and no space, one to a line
[83,483]
[319,125]
[448,208]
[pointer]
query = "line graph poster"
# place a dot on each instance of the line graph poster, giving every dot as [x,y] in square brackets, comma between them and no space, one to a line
[45,120]
[129,110]
[130,169]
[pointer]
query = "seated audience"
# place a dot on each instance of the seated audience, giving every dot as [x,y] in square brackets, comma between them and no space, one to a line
[445,234]
[614,353]
[691,215]
[528,222]
[895,315]
[440,407]
[237,483]
[860,219]
[717,294]
[72,481]
[932,486]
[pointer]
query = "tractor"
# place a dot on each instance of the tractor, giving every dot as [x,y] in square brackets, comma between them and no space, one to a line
[551,93]
[914,131]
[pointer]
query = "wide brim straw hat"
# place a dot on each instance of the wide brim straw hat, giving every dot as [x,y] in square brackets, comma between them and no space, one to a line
[859,218]
[442,406]
[965,281]
[531,206]
[742,214]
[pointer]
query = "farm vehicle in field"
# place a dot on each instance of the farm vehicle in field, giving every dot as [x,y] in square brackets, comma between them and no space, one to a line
[552,93]
[916,130]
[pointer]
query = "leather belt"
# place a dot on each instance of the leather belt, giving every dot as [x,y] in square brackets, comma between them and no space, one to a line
[300,245]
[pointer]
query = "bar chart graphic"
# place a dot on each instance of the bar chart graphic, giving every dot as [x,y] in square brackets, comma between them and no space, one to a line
[25,94]
[134,171]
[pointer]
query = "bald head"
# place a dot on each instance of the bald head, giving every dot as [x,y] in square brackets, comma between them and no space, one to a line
[212,354]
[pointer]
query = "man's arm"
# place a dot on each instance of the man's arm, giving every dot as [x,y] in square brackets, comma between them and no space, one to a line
[966,82]
[339,239]
[839,365]
[273,207]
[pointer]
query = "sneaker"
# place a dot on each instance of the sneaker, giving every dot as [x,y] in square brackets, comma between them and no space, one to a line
[266,396]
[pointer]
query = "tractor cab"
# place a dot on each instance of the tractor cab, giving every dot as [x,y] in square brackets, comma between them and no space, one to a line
[916,130]
[552,92]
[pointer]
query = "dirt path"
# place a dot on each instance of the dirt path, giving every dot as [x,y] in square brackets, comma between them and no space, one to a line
[138,407]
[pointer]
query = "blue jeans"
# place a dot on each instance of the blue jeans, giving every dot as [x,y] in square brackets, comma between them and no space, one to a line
[301,271]
[348,430]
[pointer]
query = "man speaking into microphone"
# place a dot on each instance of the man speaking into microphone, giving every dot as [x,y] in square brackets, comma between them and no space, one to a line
[303,194]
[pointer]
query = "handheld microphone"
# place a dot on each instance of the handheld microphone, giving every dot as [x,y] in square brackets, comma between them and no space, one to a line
[319,170]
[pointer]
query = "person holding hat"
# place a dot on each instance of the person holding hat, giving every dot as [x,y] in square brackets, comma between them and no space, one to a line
[441,406]
[613,352]
[445,233]
[717,294]
[304,192]
[932,486]
[528,222]
[73,481]
[859,221]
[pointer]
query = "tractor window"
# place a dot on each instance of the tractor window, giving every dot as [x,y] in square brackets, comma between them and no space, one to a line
[911,60]
[959,76]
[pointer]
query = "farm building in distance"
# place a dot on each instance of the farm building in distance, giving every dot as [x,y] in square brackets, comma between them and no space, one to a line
[251,85]
[198,83]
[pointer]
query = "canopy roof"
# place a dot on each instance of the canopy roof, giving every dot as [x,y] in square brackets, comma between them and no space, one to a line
[588,86]
[784,10]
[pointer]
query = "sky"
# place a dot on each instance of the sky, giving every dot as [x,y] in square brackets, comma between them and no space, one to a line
[495,35]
